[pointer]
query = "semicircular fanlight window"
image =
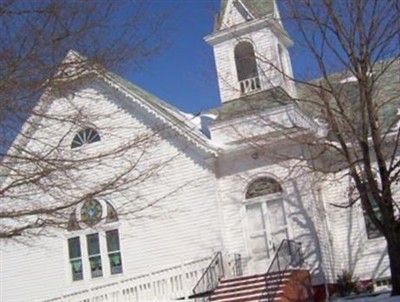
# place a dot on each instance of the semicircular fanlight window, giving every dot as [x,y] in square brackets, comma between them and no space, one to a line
[263,186]
[85,136]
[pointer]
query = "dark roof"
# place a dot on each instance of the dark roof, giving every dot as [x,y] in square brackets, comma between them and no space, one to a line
[386,93]
[258,8]
[253,103]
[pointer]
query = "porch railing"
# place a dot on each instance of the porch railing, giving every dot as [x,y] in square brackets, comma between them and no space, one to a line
[170,283]
[210,278]
[288,256]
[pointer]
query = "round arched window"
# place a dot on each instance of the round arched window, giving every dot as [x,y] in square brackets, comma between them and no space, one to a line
[263,186]
[85,136]
[245,59]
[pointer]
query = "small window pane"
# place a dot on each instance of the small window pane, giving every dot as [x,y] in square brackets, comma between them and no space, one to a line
[77,271]
[74,248]
[112,241]
[93,244]
[95,266]
[115,263]
[114,253]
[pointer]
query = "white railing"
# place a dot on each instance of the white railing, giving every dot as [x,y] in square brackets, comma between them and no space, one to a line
[250,85]
[163,285]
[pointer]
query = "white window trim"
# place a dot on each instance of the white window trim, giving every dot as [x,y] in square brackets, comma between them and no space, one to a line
[106,269]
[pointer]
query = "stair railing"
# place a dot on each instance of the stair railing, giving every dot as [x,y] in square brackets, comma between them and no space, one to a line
[210,278]
[287,256]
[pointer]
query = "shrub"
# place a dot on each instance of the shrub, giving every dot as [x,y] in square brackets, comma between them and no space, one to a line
[347,284]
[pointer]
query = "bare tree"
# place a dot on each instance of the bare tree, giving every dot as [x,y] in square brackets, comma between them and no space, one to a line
[42,178]
[354,47]
[359,105]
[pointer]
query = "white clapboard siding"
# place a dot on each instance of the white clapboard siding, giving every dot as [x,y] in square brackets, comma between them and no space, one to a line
[181,227]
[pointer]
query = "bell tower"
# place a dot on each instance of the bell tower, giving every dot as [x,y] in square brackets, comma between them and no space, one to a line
[250,49]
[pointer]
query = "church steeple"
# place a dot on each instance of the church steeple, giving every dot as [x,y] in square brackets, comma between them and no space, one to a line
[250,48]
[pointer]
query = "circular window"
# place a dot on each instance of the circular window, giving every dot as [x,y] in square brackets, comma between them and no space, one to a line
[91,212]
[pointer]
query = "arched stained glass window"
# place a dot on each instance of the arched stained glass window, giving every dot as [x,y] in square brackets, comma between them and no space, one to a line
[85,136]
[94,213]
[263,186]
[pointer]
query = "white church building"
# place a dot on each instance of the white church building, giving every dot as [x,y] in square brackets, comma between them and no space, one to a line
[203,209]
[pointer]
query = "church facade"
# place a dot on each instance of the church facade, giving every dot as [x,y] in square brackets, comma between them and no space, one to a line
[214,184]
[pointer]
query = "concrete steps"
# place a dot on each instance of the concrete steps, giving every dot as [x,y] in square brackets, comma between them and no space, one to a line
[256,288]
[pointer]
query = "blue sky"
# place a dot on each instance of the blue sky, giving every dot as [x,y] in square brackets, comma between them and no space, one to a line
[184,73]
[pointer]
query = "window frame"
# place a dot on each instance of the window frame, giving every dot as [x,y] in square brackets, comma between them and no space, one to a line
[94,257]
[85,136]
[108,224]
[111,253]
[245,61]
[74,259]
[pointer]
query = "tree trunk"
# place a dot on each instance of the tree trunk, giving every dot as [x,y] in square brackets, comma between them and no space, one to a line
[393,242]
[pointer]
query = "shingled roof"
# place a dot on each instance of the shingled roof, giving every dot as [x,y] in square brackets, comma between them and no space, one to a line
[258,8]
[253,103]
[386,92]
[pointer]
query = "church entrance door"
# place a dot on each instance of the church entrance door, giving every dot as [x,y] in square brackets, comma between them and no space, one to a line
[267,227]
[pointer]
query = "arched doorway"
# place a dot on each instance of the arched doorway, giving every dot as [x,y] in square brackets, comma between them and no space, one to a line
[266,221]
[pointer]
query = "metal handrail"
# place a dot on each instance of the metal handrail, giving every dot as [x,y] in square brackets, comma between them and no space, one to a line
[210,277]
[287,255]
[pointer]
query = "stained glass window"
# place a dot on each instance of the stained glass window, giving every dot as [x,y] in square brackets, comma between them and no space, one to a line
[114,253]
[263,186]
[91,212]
[75,258]
[85,136]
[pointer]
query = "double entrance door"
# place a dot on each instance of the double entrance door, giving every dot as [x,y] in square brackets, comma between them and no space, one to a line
[267,227]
